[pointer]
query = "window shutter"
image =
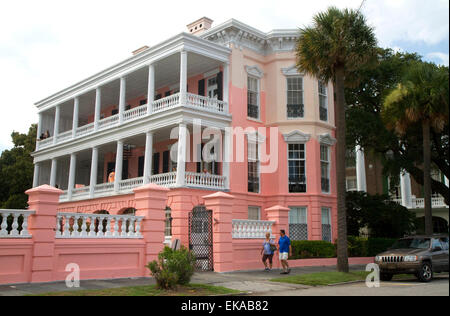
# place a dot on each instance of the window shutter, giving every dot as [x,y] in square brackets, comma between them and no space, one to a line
[166,161]
[156,163]
[201,87]
[220,86]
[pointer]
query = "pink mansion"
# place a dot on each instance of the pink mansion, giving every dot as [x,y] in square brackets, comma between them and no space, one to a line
[105,138]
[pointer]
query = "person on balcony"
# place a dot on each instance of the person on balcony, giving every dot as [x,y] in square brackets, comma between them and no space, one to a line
[112,176]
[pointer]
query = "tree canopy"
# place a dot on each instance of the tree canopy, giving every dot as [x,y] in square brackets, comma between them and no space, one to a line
[16,170]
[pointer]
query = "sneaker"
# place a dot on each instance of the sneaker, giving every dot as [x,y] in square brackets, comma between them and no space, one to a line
[284,272]
[266,269]
[288,271]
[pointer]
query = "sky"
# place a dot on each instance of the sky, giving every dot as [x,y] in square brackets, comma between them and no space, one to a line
[46,45]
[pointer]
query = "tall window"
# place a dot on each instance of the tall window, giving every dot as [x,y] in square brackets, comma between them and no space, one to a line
[297,168]
[326,224]
[298,223]
[253,97]
[295,107]
[325,168]
[351,184]
[254,213]
[323,101]
[253,167]
[168,223]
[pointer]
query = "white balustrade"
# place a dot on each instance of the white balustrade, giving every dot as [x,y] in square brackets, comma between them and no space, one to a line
[82,191]
[64,136]
[45,143]
[108,122]
[135,113]
[250,229]
[436,202]
[205,103]
[86,226]
[129,184]
[166,103]
[164,179]
[85,130]
[14,223]
[205,180]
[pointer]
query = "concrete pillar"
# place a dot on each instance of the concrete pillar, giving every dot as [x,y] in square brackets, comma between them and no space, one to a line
[36,175]
[227,152]
[72,173]
[181,161]
[76,107]
[280,215]
[405,188]
[56,127]
[94,170]
[98,107]
[44,200]
[151,88]
[151,202]
[360,170]
[148,157]
[221,205]
[119,165]
[122,98]
[183,77]
[226,86]
[53,172]
[181,205]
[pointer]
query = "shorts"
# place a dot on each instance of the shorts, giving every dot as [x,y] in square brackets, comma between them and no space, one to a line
[270,257]
[284,255]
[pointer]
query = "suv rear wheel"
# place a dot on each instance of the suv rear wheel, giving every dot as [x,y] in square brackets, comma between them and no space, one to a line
[426,272]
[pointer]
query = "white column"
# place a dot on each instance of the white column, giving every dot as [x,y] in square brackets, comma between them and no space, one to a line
[72,171]
[148,157]
[76,107]
[360,170]
[53,172]
[151,88]
[94,168]
[122,98]
[226,85]
[98,107]
[405,188]
[56,128]
[183,77]
[181,161]
[36,175]
[39,130]
[227,150]
[119,165]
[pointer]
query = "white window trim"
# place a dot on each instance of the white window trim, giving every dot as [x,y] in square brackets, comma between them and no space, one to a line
[258,139]
[303,96]
[326,99]
[258,96]
[254,207]
[330,210]
[329,168]
[306,169]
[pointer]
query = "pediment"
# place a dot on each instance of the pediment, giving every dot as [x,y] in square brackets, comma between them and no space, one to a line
[297,137]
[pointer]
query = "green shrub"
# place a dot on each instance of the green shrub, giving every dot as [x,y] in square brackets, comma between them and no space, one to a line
[357,247]
[378,245]
[173,267]
[312,249]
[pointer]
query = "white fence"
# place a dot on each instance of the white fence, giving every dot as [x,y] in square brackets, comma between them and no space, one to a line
[14,223]
[205,180]
[250,229]
[77,225]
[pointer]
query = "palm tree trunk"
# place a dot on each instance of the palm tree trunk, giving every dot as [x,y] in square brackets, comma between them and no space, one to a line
[427,177]
[341,148]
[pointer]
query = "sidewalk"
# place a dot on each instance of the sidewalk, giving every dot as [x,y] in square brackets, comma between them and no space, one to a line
[246,281]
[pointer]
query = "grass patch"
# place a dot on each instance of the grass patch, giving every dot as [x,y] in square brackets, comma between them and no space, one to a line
[150,290]
[324,278]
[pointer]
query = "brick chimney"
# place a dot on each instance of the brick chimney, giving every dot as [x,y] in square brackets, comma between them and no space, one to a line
[200,26]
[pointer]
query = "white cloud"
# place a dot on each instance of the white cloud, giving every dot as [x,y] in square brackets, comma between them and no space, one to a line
[441,58]
[48,45]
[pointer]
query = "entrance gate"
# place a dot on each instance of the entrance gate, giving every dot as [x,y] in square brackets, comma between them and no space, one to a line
[200,237]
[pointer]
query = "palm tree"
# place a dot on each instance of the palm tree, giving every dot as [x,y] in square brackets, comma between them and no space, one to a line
[421,98]
[338,43]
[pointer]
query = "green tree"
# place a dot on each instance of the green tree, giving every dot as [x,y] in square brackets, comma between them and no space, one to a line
[334,48]
[365,126]
[16,170]
[420,99]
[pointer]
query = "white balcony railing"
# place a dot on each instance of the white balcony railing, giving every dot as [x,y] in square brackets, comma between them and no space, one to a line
[161,105]
[250,229]
[77,225]
[165,179]
[205,180]
[14,223]
[417,203]
[130,184]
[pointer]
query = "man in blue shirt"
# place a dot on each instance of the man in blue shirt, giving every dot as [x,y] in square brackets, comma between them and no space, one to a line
[285,251]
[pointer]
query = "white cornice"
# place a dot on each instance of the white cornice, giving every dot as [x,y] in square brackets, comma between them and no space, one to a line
[254,71]
[296,137]
[183,41]
[291,71]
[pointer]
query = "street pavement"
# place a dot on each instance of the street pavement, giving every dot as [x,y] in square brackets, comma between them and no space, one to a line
[256,283]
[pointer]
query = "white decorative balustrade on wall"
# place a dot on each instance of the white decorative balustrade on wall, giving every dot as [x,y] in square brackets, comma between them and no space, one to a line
[205,180]
[251,229]
[78,225]
[14,223]
[436,202]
